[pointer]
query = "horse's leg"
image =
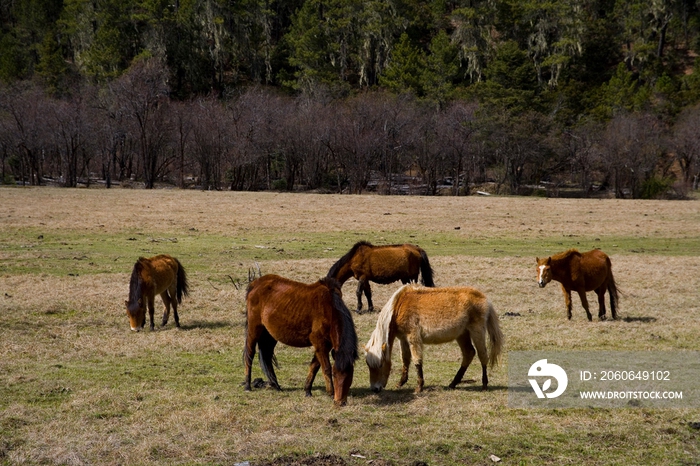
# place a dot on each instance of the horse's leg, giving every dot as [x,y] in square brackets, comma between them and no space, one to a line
[567,301]
[313,369]
[325,361]
[584,302]
[322,348]
[601,302]
[177,317]
[368,295]
[479,338]
[151,311]
[416,344]
[468,352]
[359,296]
[251,342]
[172,292]
[406,358]
[166,303]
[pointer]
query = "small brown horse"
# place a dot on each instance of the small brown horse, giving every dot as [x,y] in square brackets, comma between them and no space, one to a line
[383,265]
[163,275]
[581,272]
[417,315]
[301,315]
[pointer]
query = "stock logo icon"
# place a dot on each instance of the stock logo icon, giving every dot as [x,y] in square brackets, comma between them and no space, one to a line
[543,369]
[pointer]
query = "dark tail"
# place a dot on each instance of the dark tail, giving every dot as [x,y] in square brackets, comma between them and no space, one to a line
[266,355]
[266,352]
[425,270]
[183,287]
[612,290]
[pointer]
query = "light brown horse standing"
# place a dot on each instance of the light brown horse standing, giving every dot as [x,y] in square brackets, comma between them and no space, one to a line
[581,272]
[301,315]
[417,315]
[159,275]
[383,265]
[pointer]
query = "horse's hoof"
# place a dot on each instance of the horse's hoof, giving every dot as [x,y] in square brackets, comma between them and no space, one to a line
[602,318]
[308,394]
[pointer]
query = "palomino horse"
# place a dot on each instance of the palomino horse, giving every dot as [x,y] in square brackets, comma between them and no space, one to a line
[163,275]
[301,315]
[383,265]
[581,272]
[417,316]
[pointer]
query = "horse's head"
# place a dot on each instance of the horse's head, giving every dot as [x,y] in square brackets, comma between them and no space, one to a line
[136,312]
[544,271]
[341,384]
[378,361]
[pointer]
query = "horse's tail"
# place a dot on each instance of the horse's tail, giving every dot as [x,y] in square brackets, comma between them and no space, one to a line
[612,290]
[183,287]
[495,336]
[426,270]
[266,355]
[266,348]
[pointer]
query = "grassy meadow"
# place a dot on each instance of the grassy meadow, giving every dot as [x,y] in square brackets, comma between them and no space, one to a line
[78,387]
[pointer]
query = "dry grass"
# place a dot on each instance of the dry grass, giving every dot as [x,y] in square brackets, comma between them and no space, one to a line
[77,387]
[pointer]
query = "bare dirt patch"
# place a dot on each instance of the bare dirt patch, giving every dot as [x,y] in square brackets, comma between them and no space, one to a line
[235,212]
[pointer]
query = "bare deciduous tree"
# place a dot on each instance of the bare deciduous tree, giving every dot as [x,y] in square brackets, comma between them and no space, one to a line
[143,94]
[629,151]
[686,145]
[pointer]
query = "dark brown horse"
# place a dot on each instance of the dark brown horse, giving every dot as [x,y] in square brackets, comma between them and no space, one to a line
[301,315]
[581,272]
[383,265]
[163,275]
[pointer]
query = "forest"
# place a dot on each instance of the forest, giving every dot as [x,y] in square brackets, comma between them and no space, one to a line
[557,98]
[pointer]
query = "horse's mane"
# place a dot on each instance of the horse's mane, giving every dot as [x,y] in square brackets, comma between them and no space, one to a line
[380,335]
[346,354]
[565,254]
[135,284]
[346,258]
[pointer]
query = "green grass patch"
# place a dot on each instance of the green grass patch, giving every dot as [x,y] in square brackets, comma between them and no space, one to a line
[76,253]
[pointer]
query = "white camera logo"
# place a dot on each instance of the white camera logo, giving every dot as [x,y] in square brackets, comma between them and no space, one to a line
[542,369]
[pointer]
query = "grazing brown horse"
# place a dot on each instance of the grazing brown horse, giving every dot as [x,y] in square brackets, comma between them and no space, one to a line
[163,275]
[417,315]
[581,272]
[301,315]
[383,265]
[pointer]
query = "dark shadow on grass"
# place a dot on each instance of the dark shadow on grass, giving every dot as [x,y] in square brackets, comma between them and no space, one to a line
[200,324]
[477,388]
[645,320]
[385,397]
[406,394]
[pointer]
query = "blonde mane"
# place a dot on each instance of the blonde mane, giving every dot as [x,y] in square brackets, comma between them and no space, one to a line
[380,336]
